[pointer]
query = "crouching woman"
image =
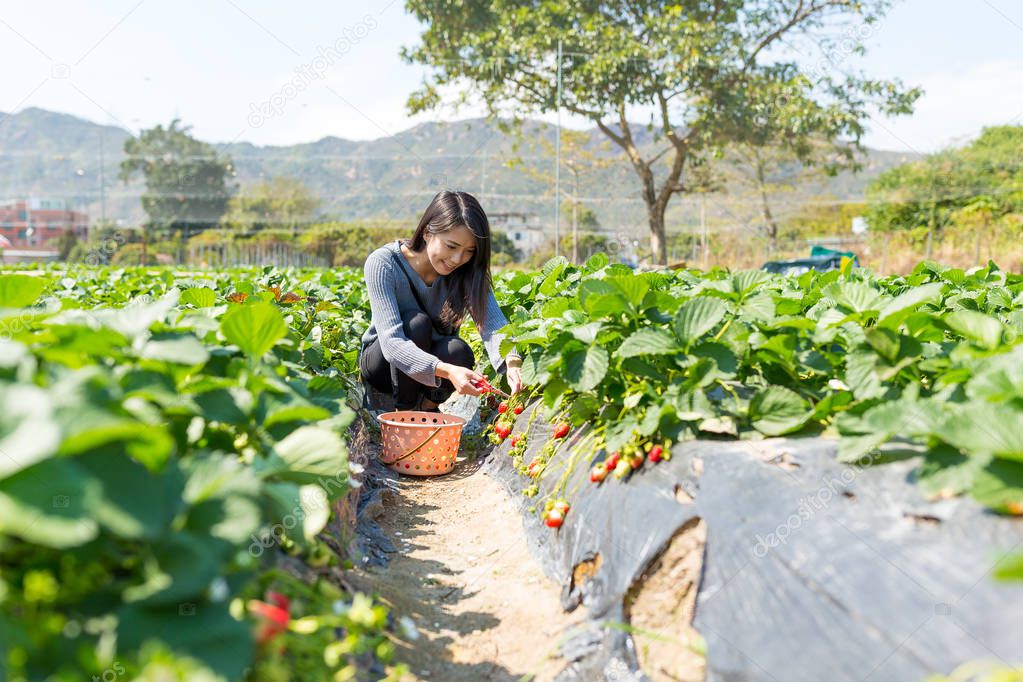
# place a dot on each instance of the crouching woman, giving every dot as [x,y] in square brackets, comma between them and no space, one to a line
[420,291]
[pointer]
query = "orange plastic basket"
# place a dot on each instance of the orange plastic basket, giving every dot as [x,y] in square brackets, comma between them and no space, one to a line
[420,443]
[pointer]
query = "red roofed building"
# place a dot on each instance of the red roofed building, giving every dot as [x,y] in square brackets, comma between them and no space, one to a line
[37,222]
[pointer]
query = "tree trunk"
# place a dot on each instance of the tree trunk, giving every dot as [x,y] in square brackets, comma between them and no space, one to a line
[656,199]
[980,232]
[575,233]
[658,241]
[770,224]
[575,215]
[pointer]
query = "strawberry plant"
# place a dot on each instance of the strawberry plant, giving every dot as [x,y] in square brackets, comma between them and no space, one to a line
[161,447]
[932,356]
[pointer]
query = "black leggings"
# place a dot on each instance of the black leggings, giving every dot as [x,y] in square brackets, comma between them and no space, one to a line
[419,329]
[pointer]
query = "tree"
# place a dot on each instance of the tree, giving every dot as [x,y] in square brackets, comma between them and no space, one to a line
[769,169]
[66,242]
[282,203]
[928,193]
[501,243]
[348,244]
[588,244]
[186,180]
[711,70]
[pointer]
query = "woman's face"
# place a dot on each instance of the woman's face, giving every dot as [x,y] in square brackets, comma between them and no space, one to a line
[450,250]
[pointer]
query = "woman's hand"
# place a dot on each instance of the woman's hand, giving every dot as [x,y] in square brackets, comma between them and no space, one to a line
[514,373]
[514,379]
[462,378]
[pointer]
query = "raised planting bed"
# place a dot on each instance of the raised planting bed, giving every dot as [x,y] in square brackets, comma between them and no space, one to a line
[787,563]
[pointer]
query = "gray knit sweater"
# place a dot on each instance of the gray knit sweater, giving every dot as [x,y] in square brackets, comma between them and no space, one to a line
[390,296]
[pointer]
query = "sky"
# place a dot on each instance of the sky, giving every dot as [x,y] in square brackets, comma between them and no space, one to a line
[228,67]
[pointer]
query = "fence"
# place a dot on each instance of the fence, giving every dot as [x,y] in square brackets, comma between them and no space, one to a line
[230,254]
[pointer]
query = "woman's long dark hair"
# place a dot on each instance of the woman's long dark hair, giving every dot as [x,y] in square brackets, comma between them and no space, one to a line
[470,284]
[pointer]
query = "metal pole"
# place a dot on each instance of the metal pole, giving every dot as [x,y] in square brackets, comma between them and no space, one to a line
[483,172]
[703,228]
[102,182]
[557,168]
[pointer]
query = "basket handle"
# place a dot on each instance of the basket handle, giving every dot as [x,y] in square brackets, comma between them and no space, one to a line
[409,453]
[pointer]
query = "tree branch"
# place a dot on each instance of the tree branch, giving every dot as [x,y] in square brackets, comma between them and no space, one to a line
[618,139]
[799,15]
[680,144]
[659,154]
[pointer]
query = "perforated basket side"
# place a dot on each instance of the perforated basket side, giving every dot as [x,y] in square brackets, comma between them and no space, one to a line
[420,443]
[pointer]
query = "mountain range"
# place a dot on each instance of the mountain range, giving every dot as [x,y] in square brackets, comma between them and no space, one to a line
[51,154]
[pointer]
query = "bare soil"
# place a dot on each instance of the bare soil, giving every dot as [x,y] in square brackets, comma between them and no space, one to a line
[660,607]
[483,608]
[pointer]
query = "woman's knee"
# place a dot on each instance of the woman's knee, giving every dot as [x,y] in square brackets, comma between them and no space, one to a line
[457,352]
[418,328]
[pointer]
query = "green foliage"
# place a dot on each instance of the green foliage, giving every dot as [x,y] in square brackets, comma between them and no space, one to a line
[131,254]
[186,180]
[347,244]
[66,243]
[283,203]
[503,249]
[164,448]
[588,245]
[933,357]
[823,217]
[254,327]
[20,291]
[984,177]
[709,70]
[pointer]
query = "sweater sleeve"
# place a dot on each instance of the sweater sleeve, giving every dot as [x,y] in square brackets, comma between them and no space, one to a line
[495,319]
[397,349]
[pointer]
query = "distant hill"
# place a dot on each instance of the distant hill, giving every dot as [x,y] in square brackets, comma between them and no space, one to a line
[53,154]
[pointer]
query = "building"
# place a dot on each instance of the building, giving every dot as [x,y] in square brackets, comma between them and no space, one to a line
[37,222]
[526,235]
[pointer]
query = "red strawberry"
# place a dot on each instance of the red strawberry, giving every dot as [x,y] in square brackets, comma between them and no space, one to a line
[635,461]
[502,429]
[554,518]
[561,430]
[271,619]
[279,600]
[598,473]
[518,409]
[655,454]
[612,461]
[514,441]
[535,468]
[561,506]
[502,408]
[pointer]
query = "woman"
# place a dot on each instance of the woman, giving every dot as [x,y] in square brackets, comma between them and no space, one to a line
[419,292]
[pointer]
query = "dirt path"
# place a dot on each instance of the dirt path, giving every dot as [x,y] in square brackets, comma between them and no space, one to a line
[462,572]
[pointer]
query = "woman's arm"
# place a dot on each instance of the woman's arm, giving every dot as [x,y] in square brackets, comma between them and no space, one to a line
[397,349]
[511,364]
[494,320]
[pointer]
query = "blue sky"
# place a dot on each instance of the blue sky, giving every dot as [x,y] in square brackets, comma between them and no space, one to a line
[214,62]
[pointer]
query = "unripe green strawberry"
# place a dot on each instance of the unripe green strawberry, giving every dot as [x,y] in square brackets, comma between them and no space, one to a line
[622,469]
